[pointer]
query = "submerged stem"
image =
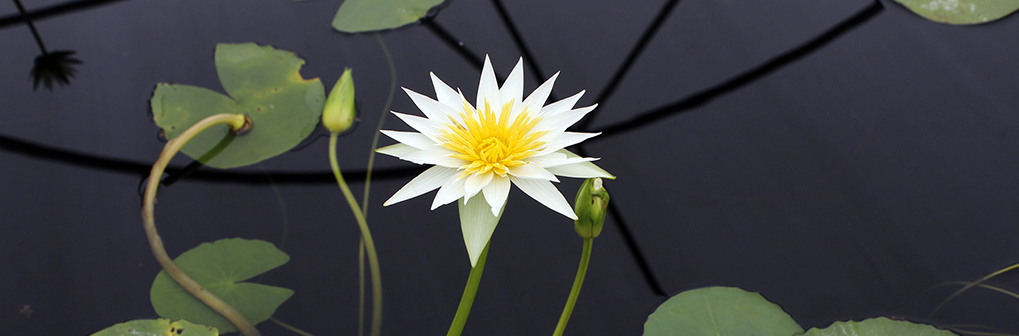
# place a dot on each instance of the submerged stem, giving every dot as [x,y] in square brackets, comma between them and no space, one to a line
[236,121]
[585,259]
[470,291]
[290,327]
[366,236]
[368,179]
[971,285]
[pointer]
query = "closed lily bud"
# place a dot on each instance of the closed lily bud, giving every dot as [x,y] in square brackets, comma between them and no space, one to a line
[339,111]
[592,202]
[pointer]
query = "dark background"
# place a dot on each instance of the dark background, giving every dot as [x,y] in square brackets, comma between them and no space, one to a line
[841,183]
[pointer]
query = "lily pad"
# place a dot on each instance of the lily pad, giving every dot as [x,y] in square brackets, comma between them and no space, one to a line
[158,327]
[357,16]
[961,12]
[220,267]
[265,85]
[719,311]
[878,327]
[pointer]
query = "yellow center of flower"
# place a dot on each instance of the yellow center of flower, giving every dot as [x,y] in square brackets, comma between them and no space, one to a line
[490,142]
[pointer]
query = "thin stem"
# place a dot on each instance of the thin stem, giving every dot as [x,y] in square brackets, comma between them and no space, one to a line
[470,291]
[368,179]
[382,120]
[290,327]
[585,258]
[967,287]
[360,286]
[369,244]
[148,217]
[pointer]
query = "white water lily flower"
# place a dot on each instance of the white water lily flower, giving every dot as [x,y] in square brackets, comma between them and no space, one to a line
[483,149]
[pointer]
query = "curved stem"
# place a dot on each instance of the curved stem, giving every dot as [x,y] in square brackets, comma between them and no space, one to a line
[235,121]
[368,180]
[470,291]
[585,258]
[369,244]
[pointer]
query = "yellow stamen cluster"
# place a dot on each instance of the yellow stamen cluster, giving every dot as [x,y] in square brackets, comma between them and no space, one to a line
[492,143]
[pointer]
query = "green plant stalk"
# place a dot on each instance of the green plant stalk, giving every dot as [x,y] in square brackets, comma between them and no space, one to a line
[369,244]
[585,259]
[470,291]
[290,327]
[971,285]
[368,179]
[236,121]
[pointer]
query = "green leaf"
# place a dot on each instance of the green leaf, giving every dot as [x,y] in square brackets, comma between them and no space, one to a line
[961,12]
[220,267]
[158,327]
[262,83]
[878,327]
[356,16]
[719,311]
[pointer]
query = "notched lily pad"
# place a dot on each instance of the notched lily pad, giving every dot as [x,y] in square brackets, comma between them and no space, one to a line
[878,327]
[719,311]
[220,267]
[357,16]
[158,327]
[264,84]
[961,12]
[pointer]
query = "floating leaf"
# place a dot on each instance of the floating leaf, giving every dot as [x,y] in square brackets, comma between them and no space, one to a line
[220,267]
[262,83]
[158,327]
[878,327]
[356,16]
[719,311]
[961,12]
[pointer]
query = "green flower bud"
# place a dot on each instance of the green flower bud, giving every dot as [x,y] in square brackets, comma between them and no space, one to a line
[592,200]
[339,111]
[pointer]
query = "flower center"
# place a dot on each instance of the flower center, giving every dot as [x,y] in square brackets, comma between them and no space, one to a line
[490,142]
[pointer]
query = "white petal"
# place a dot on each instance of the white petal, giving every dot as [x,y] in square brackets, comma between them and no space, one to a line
[452,189]
[432,109]
[580,170]
[415,139]
[438,157]
[488,88]
[537,99]
[557,159]
[532,171]
[513,87]
[562,105]
[563,140]
[397,150]
[545,193]
[426,126]
[560,122]
[495,193]
[444,93]
[425,182]
[474,184]
[477,224]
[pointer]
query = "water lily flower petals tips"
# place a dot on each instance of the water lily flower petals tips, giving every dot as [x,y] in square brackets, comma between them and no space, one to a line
[479,150]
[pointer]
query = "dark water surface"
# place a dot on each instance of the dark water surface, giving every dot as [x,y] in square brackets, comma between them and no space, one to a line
[840,185]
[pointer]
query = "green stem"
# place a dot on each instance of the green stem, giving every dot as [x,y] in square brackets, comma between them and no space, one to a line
[470,291]
[235,121]
[369,244]
[290,327]
[585,258]
[368,179]
[971,285]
